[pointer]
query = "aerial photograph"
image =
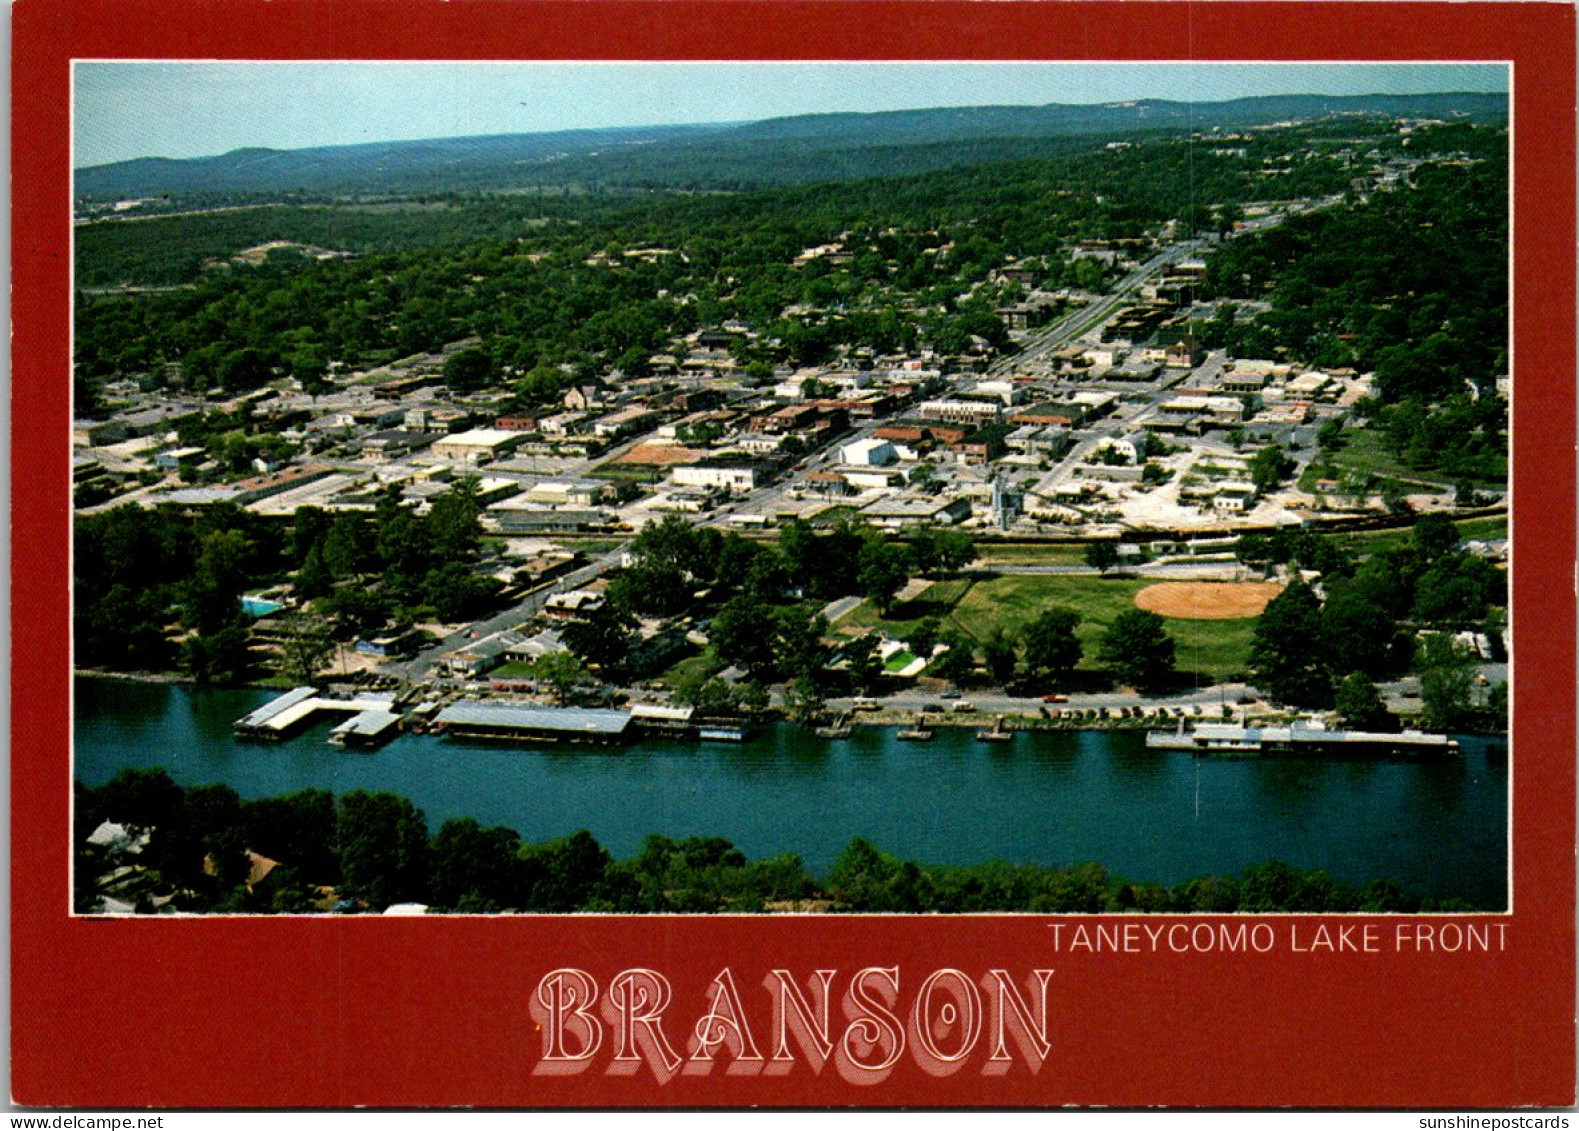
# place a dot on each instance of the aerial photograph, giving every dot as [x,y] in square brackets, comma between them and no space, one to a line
[790,488]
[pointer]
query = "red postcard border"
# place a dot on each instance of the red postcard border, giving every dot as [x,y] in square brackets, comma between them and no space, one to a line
[381,1012]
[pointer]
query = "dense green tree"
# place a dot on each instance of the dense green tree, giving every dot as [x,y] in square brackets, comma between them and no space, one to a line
[299,829]
[1254,550]
[1101,556]
[1138,650]
[1446,684]
[1051,648]
[937,551]
[711,696]
[804,700]
[864,664]
[1269,467]
[474,868]
[745,633]
[923,636]
[563,671]
[1432,537]
[1288,656]
[564,875]
[383,844]
[221,657]
[468,370]
[305,647]
[213,593]
[602,637]
[1359,704]
[1356,634]
[959,661]
[1458,589]
[453,528]
[314,578]
[801,651]
[998,653]
[884,569]
[456,593]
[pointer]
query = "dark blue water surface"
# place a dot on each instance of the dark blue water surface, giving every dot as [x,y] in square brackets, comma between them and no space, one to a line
[1438,829]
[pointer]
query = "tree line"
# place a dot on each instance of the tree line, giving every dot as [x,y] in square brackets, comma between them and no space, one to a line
[1393,612]
[160,589]
[364,851]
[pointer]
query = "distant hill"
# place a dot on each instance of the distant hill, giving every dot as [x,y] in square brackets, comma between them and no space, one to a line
[731,156]
[367,166]
[920,127]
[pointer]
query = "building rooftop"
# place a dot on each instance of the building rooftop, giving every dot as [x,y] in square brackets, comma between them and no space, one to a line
[579,720]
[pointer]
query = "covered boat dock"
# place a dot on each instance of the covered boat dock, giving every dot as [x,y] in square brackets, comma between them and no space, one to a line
[529,723]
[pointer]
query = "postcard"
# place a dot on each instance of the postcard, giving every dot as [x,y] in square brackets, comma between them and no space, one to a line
[736,554]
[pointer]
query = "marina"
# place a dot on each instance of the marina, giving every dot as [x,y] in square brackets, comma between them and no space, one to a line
[301,705]
[1437,826]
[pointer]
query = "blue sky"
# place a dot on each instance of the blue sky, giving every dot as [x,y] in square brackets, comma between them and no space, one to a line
[125,110]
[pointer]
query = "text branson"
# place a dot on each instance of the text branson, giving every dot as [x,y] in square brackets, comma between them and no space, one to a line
[948,1020]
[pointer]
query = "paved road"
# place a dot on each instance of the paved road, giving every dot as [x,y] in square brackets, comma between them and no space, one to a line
[420,666]
[1086,318]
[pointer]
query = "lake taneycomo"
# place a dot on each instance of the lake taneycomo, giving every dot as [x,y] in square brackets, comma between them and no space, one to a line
[1437,828]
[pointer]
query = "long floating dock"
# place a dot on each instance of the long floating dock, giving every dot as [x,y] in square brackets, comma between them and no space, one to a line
[527,723]
[1237,740]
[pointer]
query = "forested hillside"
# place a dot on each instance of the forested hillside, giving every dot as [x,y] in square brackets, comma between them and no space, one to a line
[733,157]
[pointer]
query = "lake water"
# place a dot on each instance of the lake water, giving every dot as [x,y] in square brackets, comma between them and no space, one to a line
[1438,829]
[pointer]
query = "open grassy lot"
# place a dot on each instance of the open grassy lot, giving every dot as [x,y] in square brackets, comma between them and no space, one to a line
[1030,553]
[1363,542]
[938,601]
[1214,649]
[627,472]
[1208,649]
[698,665]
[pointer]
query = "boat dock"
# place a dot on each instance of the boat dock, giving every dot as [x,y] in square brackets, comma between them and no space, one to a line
[722,734]
[278,717]
[995,733]
[523,722]
[1237,740]
[839,727]
[366,729]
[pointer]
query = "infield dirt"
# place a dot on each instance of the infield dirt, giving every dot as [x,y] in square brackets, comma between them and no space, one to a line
[1208,600]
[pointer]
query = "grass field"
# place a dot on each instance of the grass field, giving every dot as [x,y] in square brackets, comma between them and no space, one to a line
[1209,649]
[698,665]
[1362,542]
[1030,553]
[627,472]
[938,601]
[513,669]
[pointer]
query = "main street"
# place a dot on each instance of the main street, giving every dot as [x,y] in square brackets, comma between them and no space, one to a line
[1086,318]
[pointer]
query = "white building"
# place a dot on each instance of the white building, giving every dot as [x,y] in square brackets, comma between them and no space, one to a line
[961,412]
[737,479]
[480,445]
[868,453]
